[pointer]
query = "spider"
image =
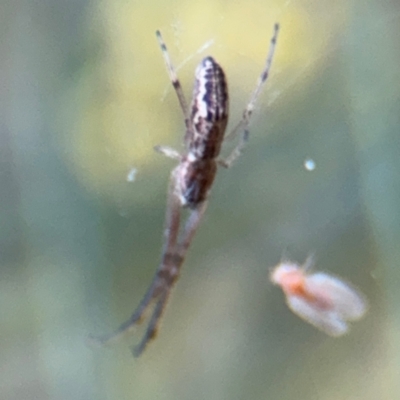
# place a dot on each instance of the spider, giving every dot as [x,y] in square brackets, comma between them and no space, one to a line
[191,180]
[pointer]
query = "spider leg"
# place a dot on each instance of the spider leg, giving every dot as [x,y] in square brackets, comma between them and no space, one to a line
[173,257]
[243,125]
[156,288]
[238,149]
[192,223]
[152,328]
[174,78]
[168,152]
[128,325]
[172,265]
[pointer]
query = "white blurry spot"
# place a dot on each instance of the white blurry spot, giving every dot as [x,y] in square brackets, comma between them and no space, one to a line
[131,176]
[309,164]
[321,299]
[273,96]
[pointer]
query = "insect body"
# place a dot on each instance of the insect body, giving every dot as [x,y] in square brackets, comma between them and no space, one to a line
[191,180]
[323,300]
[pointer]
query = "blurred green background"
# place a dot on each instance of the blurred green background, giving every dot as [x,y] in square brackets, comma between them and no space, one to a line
[84,98]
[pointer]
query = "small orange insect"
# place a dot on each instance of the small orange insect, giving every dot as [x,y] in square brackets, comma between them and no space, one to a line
[323,300]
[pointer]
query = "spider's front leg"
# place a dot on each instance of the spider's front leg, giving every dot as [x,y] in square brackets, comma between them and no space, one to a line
[158,285]
[171,265]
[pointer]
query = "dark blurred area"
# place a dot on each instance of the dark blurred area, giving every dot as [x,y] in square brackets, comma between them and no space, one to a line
[85,97]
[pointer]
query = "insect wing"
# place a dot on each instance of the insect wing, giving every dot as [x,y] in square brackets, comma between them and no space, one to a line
[344,299]
[328,321]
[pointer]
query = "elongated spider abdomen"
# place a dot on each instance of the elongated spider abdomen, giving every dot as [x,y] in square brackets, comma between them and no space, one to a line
[209,110]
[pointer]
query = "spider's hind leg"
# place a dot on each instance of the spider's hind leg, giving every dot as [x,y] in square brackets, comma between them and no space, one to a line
[243,125]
